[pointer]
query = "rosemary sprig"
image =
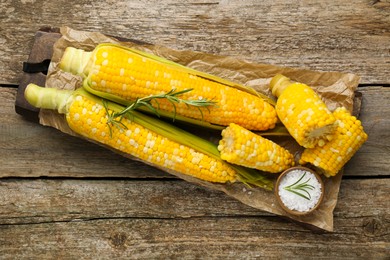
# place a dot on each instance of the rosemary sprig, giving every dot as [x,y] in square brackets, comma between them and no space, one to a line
[115,118]
[112,119]
[301,188]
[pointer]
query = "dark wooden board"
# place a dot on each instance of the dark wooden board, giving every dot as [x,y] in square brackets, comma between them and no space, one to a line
[41,50]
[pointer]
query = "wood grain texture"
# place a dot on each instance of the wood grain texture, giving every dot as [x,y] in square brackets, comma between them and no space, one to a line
[320,35]
[205,238]
[31,150]
[65,198]
[175,219]
[375,117]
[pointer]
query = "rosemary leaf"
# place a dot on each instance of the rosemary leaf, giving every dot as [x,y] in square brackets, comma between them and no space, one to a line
[172,96]
[300,188]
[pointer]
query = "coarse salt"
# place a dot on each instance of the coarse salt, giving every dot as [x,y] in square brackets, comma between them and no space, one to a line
[294,201]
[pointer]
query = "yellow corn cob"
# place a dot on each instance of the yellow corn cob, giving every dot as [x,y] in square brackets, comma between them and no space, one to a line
[140,142]
[348,138]
[242,147]
[140,136]
[302,111]
[130,74]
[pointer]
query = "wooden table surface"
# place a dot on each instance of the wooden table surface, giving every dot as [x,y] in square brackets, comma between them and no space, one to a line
[65,198]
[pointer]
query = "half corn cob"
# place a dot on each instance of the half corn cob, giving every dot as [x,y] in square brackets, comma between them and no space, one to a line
[302,112]
[141,136]
[348,138]
[242,147]
[128,74]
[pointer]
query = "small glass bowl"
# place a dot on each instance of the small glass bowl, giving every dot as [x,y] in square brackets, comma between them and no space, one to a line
[292,211]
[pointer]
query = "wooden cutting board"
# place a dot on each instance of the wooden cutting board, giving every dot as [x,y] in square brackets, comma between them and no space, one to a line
[42,49]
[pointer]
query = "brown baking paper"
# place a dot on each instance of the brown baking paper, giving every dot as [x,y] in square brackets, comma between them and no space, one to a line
[335,88]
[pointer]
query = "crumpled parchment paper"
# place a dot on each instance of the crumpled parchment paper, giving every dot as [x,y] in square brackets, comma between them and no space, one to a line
[335,88]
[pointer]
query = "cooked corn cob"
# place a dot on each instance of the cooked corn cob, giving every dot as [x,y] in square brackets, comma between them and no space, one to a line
[140,136]
[348,138]
[242,147]
[130,74]
[302,111]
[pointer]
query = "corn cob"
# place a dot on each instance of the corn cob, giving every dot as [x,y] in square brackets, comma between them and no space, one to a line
[141,136]
[302,112]
[243,147]
[348,138]
[128,74]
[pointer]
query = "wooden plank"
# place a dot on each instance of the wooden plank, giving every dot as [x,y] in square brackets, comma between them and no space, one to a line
[374,156]
[224,238]
[321,35]
[147,219]
[31,150]
[31,201]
